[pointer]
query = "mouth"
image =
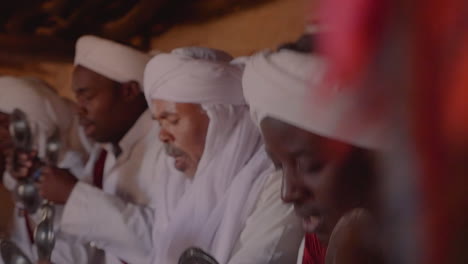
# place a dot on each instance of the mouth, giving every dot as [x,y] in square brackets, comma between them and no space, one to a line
[311,223]
[178,161]
[180,164]
[311,220]
[88,126]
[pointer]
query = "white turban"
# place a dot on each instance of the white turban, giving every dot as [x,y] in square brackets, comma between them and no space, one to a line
[194,75]
[290,86]
[203,53]
[115,61]
[45,111]
[212,211]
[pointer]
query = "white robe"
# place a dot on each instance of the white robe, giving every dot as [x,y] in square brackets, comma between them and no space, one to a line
[119,218]
[272,233]
[45,111]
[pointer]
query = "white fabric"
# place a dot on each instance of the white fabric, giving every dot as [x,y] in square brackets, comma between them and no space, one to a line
[300,254]
[203,53]
[184,77]
[212,212]
[291,86]
[215,206]
[45,111]
[119,218]
[110,59]
[272,232]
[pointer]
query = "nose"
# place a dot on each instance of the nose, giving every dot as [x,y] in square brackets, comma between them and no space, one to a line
[80,110]
[164,136]
[292,189]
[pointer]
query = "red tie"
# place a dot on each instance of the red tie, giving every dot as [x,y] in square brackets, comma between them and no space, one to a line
[314,252]
[28,226]
[98,172]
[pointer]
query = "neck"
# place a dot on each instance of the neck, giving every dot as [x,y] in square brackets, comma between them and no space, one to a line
[133,118]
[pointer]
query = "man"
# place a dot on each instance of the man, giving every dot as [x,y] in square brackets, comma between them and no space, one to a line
[109,208]
[46,111]
[226,203]
[319,138]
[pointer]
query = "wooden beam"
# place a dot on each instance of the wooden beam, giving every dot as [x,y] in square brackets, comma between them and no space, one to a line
[36,48]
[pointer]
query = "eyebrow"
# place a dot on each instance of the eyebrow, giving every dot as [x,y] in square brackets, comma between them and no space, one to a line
[81,90]
[163,115]
[303,152]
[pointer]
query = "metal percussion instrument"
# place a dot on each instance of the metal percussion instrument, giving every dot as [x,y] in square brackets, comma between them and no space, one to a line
[44,234]
[11,254]
[26,191]
[196,256]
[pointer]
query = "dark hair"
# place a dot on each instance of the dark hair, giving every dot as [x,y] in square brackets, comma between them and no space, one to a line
[305,44]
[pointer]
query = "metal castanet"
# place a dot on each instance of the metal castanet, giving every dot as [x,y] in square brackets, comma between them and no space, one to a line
[195,255]
[44,234]
[11,254]
[26,191]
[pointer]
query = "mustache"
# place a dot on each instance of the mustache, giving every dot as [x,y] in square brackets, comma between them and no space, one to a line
[173,151]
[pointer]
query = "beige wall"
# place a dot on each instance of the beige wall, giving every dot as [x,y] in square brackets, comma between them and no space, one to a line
[56,74]
[243,32]
[240,33]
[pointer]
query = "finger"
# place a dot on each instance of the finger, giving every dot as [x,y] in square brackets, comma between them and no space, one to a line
[22,156]
[25,163]
[22,172]
[33,153]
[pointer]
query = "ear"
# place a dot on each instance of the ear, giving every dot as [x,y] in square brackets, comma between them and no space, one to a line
[130,90]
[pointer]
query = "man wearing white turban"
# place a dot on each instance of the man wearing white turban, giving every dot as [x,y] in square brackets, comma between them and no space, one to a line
[46,111]
[111,208]
[318,135]
[225,203]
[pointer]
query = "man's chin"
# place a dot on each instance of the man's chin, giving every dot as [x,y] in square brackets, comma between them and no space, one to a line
[179,164]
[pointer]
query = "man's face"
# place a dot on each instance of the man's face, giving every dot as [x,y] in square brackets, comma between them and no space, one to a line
[183,131]
[6,142]
[322,178]
[99,105]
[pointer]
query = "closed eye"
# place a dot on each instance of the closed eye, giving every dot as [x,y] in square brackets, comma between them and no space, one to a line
[309,166]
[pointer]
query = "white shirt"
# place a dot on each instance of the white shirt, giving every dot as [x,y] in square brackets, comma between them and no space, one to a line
[273,233]
[66,249]
[118,219]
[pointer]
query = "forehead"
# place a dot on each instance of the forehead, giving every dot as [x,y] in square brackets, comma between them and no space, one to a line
[86,78]
[283,138]
[163,107]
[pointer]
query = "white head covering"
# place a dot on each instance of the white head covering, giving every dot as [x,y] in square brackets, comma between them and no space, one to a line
[203,53]
[45,111]
[290,86]
[211,212]
[110,59]
[194,74]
